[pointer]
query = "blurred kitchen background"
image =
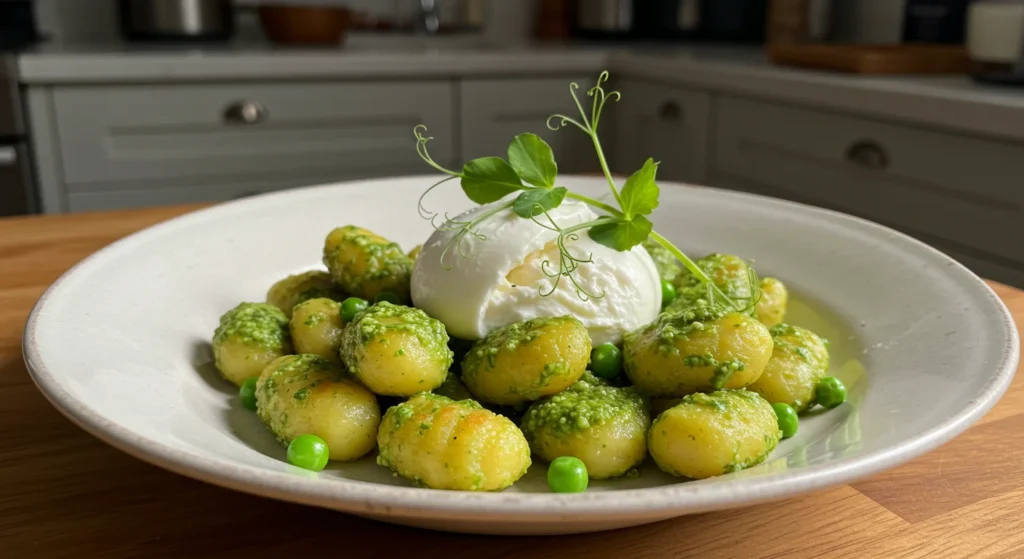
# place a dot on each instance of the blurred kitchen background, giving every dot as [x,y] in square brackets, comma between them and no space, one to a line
[906,112]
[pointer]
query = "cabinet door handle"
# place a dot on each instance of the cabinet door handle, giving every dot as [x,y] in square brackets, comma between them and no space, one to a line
[670,111]
[868,154]
[245,112]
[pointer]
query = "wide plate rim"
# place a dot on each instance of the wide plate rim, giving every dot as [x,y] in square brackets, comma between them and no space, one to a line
[370,498]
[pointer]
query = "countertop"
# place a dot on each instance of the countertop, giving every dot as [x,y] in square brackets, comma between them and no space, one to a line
[945,102]
[66,494]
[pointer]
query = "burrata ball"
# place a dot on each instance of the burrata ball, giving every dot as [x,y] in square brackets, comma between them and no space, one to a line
[503,275]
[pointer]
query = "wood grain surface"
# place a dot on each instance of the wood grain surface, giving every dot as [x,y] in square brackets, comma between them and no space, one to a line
[65,494]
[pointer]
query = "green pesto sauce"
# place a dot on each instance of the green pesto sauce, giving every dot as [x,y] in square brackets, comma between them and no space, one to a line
[582,406]
[257,325]
[508,339]
[314,319]
[728,272]
[795,340]
[383,320]
[383,260]
[679,324]
[667,265]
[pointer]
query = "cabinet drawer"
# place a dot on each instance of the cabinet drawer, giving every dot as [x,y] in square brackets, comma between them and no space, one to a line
[495,111]
[133,133]
[966,190]
[669,124]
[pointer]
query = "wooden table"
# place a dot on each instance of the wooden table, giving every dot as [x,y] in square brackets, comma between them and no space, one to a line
[66,494]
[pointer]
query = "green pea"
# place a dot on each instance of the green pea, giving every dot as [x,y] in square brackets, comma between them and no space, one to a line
[668,293]
[789,423]
[830,392]
[606,361]
[308,452]
[568,474]
[386,296]
[247,394]
[350,308]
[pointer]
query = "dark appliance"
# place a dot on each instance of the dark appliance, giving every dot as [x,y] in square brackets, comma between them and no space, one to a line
[935,21]
[17,31]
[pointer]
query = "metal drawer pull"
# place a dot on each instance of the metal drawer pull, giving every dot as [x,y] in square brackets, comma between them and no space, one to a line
[8,156]
[245,112]
[670,111]
[868,154]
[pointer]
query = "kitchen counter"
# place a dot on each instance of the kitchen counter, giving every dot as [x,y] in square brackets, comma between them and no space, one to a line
[66,494]
[943,102]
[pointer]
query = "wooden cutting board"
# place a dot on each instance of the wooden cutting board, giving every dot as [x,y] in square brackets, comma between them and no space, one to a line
[872,59]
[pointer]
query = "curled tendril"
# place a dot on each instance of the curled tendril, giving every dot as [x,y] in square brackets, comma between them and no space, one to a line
[421,149]
[422,210]
[561,121]
[567,262]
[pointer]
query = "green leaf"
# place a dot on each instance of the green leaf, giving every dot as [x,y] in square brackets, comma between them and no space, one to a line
[533,159]
[640,193]
[622,235]
[538,200]
[488,179]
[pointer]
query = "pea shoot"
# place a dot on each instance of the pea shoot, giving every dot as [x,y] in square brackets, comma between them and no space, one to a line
[606,361]
[247,394]
[308,452]
[568,474]
[668,293]
[789,423]
[830,392]
[531,171]
[351,307]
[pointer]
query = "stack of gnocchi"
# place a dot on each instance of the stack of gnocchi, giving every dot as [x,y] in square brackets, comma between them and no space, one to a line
[337,363]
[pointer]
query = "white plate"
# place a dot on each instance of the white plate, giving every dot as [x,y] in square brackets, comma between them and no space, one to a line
[120,345]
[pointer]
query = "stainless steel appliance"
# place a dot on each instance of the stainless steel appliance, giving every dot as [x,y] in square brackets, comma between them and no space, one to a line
[17,195]
[605,18]
[177,19]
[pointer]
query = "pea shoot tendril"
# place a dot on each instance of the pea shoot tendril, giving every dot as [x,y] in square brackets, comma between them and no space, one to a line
[531,171]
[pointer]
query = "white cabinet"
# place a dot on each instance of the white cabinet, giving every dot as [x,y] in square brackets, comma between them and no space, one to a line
[667,123]
[494,111]
[214,141]
[961,193]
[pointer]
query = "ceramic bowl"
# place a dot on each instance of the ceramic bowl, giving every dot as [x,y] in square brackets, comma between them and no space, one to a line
[120,344]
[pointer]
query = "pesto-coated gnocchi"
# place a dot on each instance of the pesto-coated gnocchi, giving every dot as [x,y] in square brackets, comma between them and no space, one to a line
[799,361]
[526,361]
[316,328]
[307,394]
[713,434]
[443,444]
[396,350]
[771,307]
[365,264]
[658,405]
[295,289]
[604,426]
[667,265]
[699,349]
[415,252]
[248,338]
[730,274]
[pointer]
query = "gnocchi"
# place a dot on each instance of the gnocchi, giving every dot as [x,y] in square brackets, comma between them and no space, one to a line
[248,338]
[699,349]
[525,361]
[604,426]
[295,289]
[366,264]
[713,434]
[439,443]
[307,394]
[316,328]
[799,361]
[771,307]
[396,350]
